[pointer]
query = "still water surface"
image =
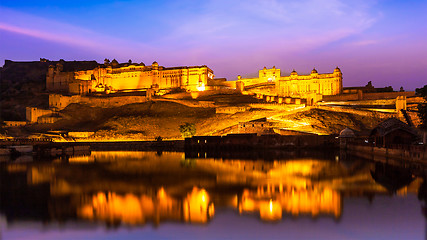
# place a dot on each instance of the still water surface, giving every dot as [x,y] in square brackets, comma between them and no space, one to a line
[154,195]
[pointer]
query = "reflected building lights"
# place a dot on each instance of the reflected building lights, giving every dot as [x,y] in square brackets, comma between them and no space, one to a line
[132,209]
[119,192]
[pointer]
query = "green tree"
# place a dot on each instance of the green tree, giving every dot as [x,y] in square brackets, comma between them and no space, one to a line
[422,107]
[187,130]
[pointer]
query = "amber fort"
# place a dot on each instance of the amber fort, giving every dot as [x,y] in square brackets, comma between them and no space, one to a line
[113,77]
[112,85]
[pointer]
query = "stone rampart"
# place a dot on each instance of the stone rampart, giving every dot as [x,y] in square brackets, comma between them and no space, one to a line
[80,134]
[110,102]
[189,103]
[386,95]
[367,96]
[48,119]
[33,114]
[230,110]
[361,102]
[15,123]
[366,113]
[276,106]
[59,102]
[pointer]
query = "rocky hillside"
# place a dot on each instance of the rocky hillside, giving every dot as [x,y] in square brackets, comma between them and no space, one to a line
[23,84]
[146,121]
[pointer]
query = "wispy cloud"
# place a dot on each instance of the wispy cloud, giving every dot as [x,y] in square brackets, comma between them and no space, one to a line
[364,42]
[303,24]
[67,34]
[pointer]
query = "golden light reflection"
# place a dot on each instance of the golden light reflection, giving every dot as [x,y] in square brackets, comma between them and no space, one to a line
[298,168]
[310,201]
[80,159]
[296,187]
[270,210]
[132,209]
[197,208]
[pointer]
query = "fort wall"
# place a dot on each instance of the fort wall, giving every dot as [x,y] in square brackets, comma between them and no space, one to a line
[255,127]
[206,93]
[366,113]
[189,103]
[230,110]
[383,102]
[15,123]
[276,106]
[80,134]
[252,141]
[32,114]
[48,119]
[367,96]
[59,102]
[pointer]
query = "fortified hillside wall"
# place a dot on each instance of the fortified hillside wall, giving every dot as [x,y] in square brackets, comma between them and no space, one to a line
[379,102]
[59,102]
[365,113]
[367,96]
[190,103]
[231,110]
[33,114]
[201,94]
[14,123]
[277,106]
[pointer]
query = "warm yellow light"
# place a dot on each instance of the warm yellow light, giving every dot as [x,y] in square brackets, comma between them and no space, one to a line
[270,211]
[197,207]
[271,205]
[201,87]
[211,210]
[161,193]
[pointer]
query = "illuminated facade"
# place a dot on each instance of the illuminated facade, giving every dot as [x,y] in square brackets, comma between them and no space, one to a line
[127,77]
[299,86]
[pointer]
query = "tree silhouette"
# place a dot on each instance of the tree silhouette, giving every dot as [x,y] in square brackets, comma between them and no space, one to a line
[187,130]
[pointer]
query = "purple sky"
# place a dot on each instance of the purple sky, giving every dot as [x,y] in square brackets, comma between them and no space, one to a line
[383,41]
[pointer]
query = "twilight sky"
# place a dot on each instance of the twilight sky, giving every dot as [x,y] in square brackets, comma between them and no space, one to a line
[383,41]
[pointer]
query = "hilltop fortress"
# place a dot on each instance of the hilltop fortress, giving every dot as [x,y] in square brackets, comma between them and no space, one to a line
[112,85]
[126,77]
[296,86]
[113,77]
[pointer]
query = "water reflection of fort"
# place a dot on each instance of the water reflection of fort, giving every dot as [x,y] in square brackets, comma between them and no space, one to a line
[135,188]
[129,208]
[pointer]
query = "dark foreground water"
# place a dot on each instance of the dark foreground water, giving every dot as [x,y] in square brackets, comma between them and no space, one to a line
[149,195]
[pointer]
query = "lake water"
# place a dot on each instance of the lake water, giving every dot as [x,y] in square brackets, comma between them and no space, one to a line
[166,195]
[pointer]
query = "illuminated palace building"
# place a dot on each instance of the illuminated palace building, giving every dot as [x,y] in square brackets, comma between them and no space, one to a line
[88,76]
[124,77]
[296,85]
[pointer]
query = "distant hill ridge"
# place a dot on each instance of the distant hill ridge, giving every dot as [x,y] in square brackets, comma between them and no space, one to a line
[22,84]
